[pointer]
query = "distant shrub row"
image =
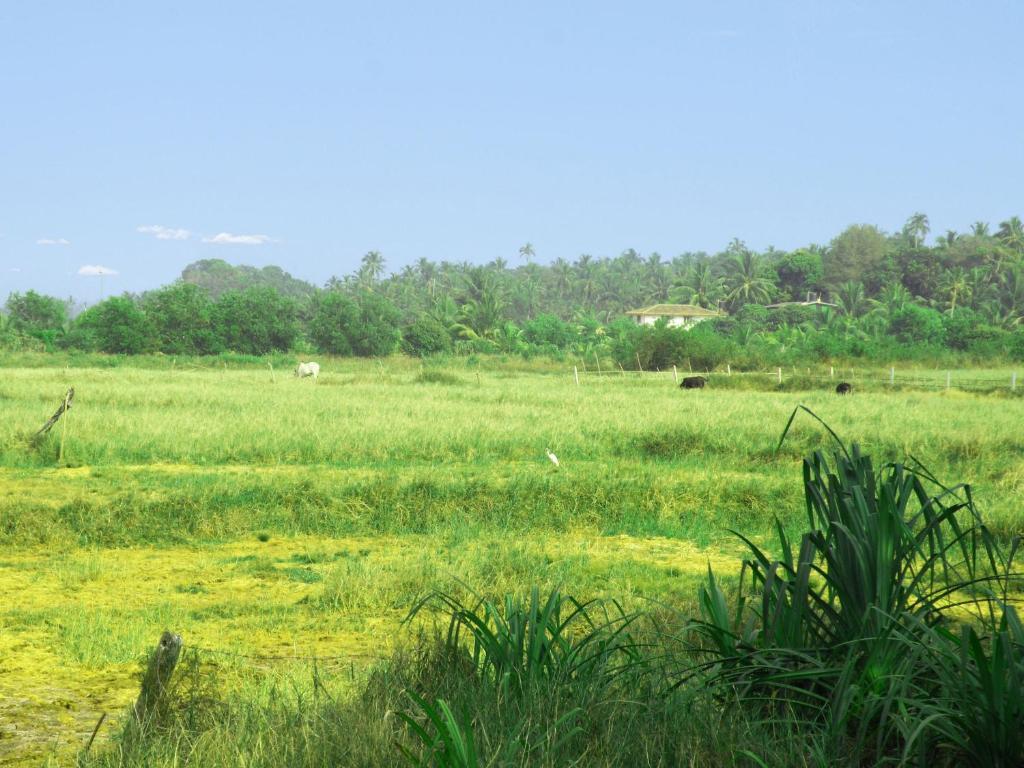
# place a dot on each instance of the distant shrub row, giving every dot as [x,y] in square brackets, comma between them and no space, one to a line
[182,319]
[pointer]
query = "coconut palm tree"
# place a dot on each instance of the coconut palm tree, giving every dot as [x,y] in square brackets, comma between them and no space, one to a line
[371,269]
[916,229]
[700,285]
[745,282]
[1011,233]
[955,285]
[852,299]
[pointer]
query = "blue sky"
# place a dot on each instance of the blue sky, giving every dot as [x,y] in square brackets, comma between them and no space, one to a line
[140,136]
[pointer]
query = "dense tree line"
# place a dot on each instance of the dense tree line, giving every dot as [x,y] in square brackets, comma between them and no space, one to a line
[894,296]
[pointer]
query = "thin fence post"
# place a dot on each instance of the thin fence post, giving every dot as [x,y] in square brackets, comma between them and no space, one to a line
[675,374]
[273,376]
[638,363]
[622,369]
[728,369]
[1013,382]
[831,371]
[598,359]
[64,427]
[576,375]
[892,376]
[780,375]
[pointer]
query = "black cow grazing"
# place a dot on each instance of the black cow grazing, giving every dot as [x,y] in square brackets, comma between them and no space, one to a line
[693,382]
[843,388]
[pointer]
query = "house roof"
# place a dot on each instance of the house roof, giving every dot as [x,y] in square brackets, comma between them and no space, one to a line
[676,310]
[816,303]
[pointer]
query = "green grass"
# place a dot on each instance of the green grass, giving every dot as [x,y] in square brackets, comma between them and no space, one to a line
[306,519]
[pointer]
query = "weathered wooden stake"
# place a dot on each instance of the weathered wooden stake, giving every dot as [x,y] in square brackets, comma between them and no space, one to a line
[638,363]
[157,676]
[1013,381]
[64,427]
[598,359]
[831,371]
[65,404]
[780,375]
[576,375]
[675,374]
[728,369]
[273,378]
[892,376]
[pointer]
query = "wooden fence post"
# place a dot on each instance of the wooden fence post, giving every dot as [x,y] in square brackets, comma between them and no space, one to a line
[576,375]
[157,676]
[675,374]
[780,375]
[64,425]
[892,376]
[638,363]
[598,359]
[1013,382]
[728,369]
[273,377]
[831,371]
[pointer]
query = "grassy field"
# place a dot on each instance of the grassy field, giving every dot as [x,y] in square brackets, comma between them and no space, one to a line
[271,521]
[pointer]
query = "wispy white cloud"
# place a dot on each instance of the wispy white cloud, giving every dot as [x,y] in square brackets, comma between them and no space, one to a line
[15,269]
[226,238]
[95,270]
[164,233]
[52,241]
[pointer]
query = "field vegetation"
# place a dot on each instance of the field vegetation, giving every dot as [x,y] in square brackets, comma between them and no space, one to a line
[286,529]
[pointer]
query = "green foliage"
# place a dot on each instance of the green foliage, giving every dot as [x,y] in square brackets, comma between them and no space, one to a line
[255,321]
[799,272]
[115,326]
[859,254]
[181,315]
[35,314]
[375,332]
[549,330]
[332,316]
[884,286]
[425,336]
[918,325]
[216,277]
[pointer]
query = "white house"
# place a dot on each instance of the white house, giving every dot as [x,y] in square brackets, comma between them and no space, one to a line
[678,315]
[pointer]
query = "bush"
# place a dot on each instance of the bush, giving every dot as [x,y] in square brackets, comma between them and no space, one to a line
[181,315]
[255,321]
[913,325]
[425,336]
[548,330]
[116,326]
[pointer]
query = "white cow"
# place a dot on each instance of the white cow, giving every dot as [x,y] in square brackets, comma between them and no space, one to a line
[308,369]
